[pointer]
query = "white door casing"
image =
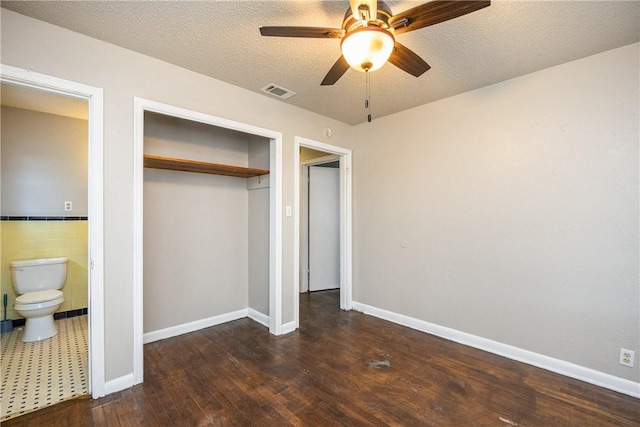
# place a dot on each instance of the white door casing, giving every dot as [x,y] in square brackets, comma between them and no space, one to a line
[344,156]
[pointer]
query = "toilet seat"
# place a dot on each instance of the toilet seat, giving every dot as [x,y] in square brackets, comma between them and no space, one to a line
[38,300]
[39,296]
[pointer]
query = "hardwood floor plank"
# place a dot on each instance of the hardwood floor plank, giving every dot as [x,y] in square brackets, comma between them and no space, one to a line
[339,369]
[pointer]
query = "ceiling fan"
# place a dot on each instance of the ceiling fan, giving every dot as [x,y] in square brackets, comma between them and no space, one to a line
[368,34]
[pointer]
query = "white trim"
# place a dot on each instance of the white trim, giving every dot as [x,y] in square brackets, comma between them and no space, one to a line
[256,316]
[302,268]
[94,97]
[96,246]
[346,240]
[196,325]
[138,221]
[344,154]
[296,233]
[141,105]
[275,233]
[289,327]
[119,384]
[558,366]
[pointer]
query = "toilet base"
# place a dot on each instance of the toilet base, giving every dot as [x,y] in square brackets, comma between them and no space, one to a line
[39,328]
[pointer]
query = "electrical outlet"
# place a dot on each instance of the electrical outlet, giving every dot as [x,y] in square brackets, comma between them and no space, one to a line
[626,357]
[68,206]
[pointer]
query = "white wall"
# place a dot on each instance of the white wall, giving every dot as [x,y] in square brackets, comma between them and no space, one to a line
[519,201]
[259,250]
[31,44]
[44,164]
[519,204]
[195,225]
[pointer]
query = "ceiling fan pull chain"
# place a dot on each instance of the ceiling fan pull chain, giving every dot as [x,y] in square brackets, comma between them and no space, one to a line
[367,102]
[366,90]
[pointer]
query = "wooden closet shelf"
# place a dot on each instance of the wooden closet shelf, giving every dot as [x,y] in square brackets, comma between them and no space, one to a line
[169,163]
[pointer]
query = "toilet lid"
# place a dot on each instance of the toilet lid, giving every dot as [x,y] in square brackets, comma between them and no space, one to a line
[39,296]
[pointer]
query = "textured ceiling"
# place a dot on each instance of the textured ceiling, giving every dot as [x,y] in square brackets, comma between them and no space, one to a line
[221,39]
[45,102]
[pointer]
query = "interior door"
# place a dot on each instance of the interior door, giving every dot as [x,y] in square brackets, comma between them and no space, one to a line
[324,228]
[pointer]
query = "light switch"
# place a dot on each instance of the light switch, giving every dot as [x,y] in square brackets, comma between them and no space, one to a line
[288,211]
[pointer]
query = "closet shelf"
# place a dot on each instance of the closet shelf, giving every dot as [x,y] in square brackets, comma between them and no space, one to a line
[169,163]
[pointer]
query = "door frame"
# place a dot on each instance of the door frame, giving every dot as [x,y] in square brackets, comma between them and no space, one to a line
[344,155]
[304,215]
[140,105]
[94,97]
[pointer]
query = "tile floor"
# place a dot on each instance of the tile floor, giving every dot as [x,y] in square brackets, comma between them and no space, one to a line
[39,374]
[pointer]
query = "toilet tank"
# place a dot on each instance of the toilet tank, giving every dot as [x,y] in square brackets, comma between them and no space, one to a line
[38,274]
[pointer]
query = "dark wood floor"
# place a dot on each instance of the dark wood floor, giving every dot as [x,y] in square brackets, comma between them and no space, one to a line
[340,368]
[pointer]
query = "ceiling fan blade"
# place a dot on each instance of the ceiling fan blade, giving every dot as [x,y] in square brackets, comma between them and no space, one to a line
[407,60]
[433,13]
[309,32]
[366,6]
[339,68]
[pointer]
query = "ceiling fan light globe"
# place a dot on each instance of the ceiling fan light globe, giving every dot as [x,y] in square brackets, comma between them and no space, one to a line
[367,48]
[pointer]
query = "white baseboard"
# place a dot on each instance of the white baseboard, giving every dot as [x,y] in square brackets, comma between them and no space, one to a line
[256,316]
[118,384]
[288,327]
[127,381]
[558,366]
[185,328]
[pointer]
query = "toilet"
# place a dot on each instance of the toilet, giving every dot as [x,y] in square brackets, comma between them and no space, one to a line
[38,283]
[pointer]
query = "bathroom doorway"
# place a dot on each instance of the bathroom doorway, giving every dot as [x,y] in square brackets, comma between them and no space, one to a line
[34,104]
[45,214]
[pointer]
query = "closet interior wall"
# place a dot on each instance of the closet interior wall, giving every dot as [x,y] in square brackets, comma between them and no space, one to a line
[259,158]
[198,228]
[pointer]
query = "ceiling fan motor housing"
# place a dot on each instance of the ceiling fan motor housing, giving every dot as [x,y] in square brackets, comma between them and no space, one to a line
[381,20]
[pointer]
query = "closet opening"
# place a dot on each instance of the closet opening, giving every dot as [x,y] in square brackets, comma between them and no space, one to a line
[207,224]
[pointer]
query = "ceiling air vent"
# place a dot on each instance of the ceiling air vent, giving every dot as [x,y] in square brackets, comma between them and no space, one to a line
[278,91]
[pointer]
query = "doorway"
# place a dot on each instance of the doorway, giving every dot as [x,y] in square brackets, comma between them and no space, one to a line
[320,231]
[93,96]
[325,154]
